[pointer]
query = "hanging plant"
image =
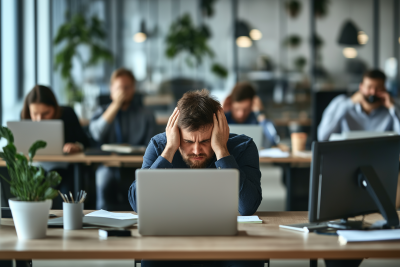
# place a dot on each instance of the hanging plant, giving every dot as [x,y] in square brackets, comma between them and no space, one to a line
[207,7]
[321,8]
[293,8]
[292,41]
[184,36]
[299,63]
[318,41]
[78,31]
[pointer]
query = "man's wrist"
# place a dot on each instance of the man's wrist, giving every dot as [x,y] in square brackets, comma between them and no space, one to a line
[169,153]
[221,153]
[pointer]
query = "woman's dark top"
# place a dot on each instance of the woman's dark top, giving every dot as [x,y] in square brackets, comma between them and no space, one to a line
[73,131]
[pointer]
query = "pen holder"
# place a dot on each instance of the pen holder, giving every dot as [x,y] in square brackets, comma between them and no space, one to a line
[72,216]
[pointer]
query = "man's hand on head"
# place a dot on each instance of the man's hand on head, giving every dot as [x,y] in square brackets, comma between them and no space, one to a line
[220,135]
[173,136]
[387,101]
[358,98]
[119,97]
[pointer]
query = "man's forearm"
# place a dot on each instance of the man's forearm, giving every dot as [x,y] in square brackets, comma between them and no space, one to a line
[111,112]
[168,154]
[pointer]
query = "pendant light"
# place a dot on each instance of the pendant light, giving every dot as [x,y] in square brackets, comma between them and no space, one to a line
[349,34]
[242,34]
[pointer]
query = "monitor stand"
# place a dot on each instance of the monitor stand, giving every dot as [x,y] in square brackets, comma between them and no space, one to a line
[345,224]
[369,180]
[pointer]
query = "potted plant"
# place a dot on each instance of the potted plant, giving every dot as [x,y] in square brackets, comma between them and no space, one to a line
[77,32]
[31,186]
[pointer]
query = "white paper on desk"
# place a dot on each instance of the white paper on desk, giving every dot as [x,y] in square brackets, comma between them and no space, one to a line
[112,215]
[248,219]
[273,153]
[364,236]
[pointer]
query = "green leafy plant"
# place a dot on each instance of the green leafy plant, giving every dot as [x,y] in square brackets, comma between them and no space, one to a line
[184,36]
[27,182]
[292,41]
[299,63]
[293,8]
[321,8]
[78,31]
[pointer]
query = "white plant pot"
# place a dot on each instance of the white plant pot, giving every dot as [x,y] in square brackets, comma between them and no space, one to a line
[30,218]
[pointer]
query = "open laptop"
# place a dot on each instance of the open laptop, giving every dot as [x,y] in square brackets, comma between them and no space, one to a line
[253,131]
[187,202]
[358,135]
[28,132]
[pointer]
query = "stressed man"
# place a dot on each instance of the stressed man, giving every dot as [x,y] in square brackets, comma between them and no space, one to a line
[123,121]
[370,109]
[243,106]
[197,136]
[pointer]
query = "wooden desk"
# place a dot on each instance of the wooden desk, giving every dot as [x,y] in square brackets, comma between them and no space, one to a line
[255,241]
[82,158]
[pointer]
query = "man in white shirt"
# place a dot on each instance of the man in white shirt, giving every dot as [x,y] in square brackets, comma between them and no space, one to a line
[370,109]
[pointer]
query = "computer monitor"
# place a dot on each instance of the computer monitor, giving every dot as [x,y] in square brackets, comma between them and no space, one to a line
[354,177]
[359,135]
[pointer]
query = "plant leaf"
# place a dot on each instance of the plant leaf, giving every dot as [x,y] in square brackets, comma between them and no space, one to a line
[37,145]
[7,134]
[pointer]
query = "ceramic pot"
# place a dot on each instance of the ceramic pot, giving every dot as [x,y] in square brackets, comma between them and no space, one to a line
[30,217]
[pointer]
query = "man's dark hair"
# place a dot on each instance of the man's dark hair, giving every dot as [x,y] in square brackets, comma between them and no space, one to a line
[375,74]
[196,110]
[242,91]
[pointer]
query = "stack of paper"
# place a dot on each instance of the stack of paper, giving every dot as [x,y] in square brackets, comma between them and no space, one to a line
[364,236]
[121,148]
[248,219]
[273,153]
[112,215]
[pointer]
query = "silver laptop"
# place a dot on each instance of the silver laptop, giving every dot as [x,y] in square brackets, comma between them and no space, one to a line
[27,132]
[253,131]
[358,135]
[187,202]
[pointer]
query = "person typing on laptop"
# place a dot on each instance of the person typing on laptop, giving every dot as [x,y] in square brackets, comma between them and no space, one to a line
[41,104]
[123,121]
[369,109]
[197,136]
[243,106]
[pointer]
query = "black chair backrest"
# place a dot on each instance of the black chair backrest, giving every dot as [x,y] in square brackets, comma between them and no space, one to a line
[320,101]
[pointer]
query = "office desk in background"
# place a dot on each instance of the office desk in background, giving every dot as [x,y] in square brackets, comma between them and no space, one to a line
[254,241]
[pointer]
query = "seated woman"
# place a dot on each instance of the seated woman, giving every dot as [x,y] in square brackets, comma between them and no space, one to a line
[41,104]
[243,106]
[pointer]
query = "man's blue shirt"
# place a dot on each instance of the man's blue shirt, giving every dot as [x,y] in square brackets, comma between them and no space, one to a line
[243,156]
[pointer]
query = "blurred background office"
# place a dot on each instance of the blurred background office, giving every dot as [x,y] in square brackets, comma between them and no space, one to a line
[298,54]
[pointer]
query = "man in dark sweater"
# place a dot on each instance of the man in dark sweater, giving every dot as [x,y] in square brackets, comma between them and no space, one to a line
[124,121]
[197,136]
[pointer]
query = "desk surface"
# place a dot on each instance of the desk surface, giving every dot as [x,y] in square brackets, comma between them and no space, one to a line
[82,158]
[255,241]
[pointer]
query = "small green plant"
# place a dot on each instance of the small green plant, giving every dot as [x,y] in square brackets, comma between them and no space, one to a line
[27,182]
[292,41]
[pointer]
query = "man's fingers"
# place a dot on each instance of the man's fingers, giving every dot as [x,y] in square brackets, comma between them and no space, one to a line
[171,117]
[176,120]
[221,116]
